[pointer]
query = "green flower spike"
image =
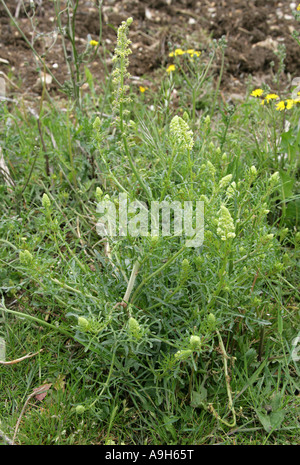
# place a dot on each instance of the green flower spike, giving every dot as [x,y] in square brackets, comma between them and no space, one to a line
[46,201]
[134,328]
[181,134]
[195,342]
[25,257]
[226,229]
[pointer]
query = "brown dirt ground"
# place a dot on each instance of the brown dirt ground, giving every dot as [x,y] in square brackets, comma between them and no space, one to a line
[253,30]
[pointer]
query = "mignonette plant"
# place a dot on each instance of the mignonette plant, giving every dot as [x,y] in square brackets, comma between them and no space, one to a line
[162,323]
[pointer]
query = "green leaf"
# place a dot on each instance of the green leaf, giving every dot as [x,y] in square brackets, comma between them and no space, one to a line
[265,421]
[199,397]
[169,426]
[280,323]
[272,421]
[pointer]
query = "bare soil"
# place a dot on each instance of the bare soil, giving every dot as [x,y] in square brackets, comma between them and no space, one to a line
[253,29]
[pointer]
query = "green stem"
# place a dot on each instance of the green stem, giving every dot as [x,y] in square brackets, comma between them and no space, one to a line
[218,84]
[134,273]
[9,243]
[70,150]
[166,184]
[36,320]
[228,388]
[221,276]
[191,170]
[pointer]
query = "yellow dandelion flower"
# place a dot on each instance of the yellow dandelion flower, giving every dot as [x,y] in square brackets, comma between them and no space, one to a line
[298,7]
[257,93]
[94,43]
[289,103]
[143,89]
[171,68]
[298,93]
[285,105]
[272,97]
[269,97]
[193,52]
[179,52]
[280,106]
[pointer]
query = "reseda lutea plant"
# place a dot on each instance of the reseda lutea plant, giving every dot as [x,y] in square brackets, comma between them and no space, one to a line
[168,323]
[236,234]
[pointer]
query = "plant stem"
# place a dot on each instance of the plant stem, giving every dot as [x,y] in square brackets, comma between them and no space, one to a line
[228,388]
[131,282]
[218,84]
[166,183]
[36,320]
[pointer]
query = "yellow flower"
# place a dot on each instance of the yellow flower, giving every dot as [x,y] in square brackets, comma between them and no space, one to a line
[193,52]
[94,42]
[257,93]
[298,7]
[171,68]
[269,97]
[287,104]
[143,89]
[272,97]
[177,52]
[280,106]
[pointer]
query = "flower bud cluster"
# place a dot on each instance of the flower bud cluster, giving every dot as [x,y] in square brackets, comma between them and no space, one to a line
[226,229]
